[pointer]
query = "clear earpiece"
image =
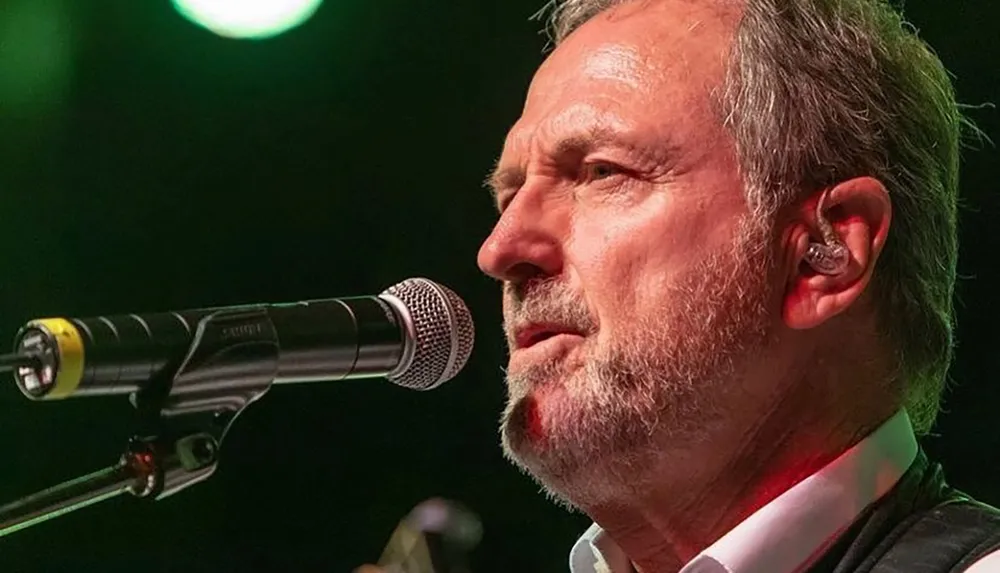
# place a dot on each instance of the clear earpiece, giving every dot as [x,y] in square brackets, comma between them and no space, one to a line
[830,257]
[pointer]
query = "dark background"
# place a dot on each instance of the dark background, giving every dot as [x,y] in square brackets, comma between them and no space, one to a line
[147,164]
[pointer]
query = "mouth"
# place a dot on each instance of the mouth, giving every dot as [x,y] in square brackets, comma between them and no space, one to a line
[532,334]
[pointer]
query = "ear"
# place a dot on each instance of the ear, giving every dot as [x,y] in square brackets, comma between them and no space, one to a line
[859,212]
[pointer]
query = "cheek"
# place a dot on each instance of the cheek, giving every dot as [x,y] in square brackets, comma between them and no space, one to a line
[628,262]
[622,266]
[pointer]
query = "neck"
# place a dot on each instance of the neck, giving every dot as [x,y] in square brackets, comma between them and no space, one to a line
[705,491]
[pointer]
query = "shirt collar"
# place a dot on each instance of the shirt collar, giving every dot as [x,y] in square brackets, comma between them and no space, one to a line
[796,527]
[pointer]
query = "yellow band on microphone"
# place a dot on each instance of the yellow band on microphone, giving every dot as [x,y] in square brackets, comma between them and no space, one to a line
[70,345]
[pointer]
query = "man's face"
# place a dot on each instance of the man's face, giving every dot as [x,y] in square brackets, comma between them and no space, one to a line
[632,286]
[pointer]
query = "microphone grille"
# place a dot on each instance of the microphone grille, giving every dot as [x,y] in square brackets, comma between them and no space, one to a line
[442,331]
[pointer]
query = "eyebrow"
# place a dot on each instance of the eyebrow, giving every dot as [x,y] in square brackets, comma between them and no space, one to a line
[579,143]
[501,178]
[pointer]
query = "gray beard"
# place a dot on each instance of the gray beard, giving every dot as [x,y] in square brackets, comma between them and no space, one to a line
[654,389]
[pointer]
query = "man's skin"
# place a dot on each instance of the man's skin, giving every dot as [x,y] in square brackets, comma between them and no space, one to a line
[618,179]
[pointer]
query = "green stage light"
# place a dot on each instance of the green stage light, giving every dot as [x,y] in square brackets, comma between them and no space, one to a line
[250,19]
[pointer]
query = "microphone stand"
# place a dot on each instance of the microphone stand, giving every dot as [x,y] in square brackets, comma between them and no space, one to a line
[69,496]
[185,412]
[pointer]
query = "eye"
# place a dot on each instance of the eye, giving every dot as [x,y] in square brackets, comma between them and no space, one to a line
[600,170]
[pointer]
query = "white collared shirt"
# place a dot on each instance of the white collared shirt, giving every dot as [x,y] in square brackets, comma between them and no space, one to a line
[793,530]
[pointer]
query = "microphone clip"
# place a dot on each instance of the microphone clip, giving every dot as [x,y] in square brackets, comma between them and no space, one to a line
[184,413]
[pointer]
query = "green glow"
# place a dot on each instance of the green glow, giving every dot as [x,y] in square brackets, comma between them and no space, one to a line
[36,54]
[252,19]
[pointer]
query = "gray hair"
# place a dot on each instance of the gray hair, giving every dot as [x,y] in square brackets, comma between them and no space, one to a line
[820,91]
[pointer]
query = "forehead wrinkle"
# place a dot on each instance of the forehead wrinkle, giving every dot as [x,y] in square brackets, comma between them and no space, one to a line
[581,126]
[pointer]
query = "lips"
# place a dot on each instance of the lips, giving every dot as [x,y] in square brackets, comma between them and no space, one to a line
[531,334]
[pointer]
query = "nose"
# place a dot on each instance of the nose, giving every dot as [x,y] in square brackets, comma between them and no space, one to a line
[525,243]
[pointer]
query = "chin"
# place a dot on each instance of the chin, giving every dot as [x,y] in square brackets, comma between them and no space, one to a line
[530,420]
[574,478]
[527,445]
[553,431]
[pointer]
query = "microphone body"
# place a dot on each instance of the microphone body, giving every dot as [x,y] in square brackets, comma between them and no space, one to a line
[418,334]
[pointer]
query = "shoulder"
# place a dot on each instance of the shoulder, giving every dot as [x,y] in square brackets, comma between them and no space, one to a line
[989,563]
[971,524]
[958,535]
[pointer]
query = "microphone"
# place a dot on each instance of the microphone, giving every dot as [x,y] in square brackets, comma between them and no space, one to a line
[418,334]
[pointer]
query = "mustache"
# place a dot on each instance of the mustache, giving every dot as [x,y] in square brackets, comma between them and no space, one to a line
[550,301]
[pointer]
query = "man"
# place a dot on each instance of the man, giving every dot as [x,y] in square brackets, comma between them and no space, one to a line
[727,239]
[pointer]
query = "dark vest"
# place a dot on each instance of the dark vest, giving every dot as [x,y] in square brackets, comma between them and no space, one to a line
[921,526]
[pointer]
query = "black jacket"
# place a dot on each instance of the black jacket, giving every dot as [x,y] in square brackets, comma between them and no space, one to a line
[921,526]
